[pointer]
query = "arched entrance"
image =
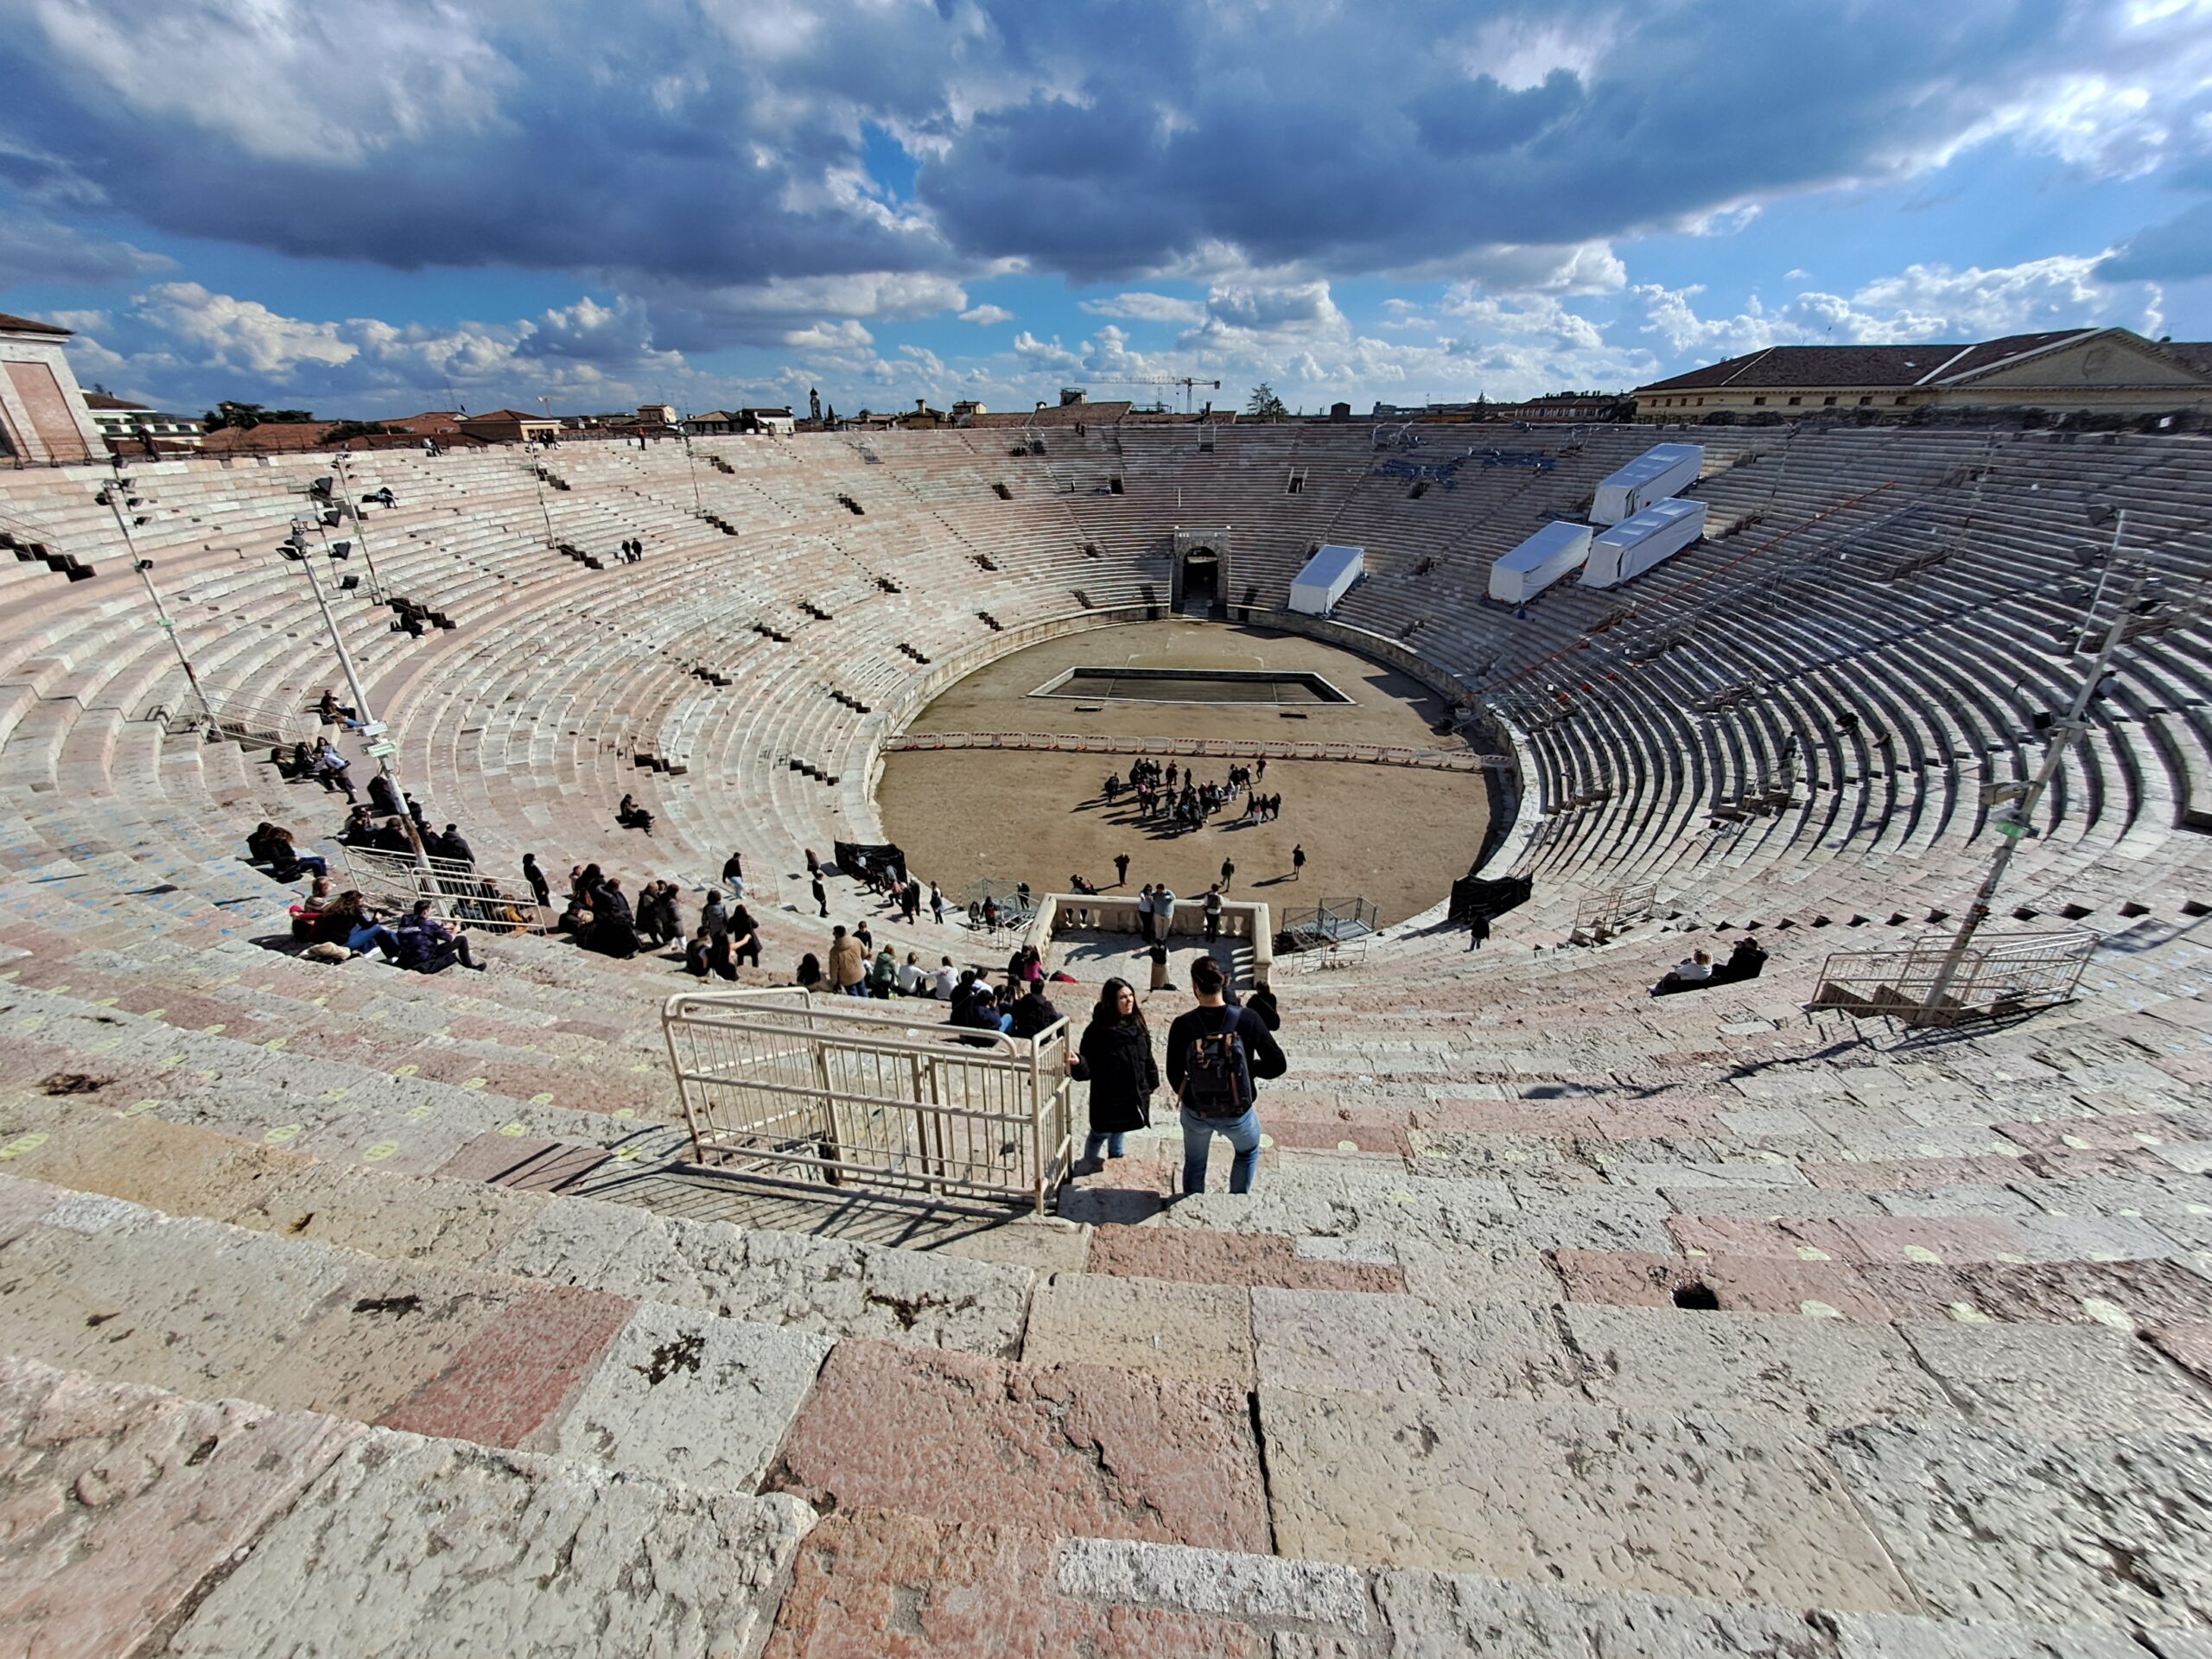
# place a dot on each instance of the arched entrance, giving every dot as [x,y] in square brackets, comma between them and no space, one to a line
[1201,573]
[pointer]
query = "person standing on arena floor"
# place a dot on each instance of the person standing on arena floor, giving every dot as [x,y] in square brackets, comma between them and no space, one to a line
[1216,1056]
[1228,873]
[821,894]
[1121,869]
[1297,862]
[937,904]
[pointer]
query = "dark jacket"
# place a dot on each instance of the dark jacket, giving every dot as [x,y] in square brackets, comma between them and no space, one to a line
[1032,1015]
[1268,1059]
[1123,1075]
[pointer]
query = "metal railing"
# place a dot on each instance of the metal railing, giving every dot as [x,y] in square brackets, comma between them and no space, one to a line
[458,891]
[786,1082]
[1998,977]
[1333,922]
[1615,907]
[255,724]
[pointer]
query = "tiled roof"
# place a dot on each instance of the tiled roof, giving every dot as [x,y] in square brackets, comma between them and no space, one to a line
[1816,366]
[1055,415]
[101,400]
[29,326]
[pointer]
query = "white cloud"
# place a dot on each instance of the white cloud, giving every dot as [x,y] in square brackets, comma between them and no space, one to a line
[845,336]
[1148,308]
[988,316]
[1931,302]
[287,81]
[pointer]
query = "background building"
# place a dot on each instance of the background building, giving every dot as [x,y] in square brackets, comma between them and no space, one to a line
[2077,370]
[43,413]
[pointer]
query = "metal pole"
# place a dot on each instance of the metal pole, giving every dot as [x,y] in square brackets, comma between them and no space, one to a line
[144,570]
[2016,828]
[371,725]
[697,507]
[378,592]
[537,477]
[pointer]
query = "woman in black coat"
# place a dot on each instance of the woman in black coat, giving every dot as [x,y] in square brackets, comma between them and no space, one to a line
[1116,1061]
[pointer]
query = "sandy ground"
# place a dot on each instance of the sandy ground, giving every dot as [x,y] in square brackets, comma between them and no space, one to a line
[1393,836]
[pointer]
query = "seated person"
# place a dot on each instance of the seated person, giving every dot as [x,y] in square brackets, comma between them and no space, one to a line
[697,953]
[272,847]
[944,983]
[631,816]
[1694,971]
[809,973]
[1032,1015]
[912,976]
[1746,961]
[427,945]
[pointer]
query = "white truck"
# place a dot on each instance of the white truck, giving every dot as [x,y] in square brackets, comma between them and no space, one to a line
[1556,550]
[1635,545]
[1661,471]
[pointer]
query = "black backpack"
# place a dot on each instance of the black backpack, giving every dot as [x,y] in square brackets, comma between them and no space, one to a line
[1218,1083]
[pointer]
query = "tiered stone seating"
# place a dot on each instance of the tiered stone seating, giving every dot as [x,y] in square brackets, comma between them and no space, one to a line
[1564,1320]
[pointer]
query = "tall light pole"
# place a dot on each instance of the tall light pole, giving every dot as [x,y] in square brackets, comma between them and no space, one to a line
[2017,825]
[537,477]
[113,495]
[295,547]
[350,506]
[698,508]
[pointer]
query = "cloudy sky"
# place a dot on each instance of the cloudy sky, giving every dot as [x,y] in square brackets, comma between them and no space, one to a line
[372,208]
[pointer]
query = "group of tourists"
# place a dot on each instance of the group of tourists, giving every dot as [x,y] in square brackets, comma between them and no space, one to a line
[1176,793]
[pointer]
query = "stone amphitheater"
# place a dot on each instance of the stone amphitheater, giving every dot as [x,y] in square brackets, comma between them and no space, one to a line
[351,1312]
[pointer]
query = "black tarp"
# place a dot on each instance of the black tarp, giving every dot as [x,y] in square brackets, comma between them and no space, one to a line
[866,861]
[1471,894]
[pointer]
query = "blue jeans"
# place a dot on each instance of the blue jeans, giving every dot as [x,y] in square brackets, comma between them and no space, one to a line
[1111,1144]
[1242,1133]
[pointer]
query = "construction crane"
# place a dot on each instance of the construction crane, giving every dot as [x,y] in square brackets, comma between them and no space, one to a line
[1184,381]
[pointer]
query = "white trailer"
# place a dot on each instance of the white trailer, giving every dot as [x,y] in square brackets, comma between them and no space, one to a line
[1634,545]
[1661,471]
[1556,550]
[1328,575]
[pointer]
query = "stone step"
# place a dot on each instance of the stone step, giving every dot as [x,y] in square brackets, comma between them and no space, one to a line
[217,1527]
[491,1210]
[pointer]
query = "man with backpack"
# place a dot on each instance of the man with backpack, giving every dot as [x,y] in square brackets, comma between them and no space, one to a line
[1215,1053]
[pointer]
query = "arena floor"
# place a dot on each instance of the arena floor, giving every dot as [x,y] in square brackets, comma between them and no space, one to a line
[1395,835]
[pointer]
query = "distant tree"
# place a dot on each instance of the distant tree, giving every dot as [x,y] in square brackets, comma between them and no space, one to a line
[1265,405]
[345,429]
[245,417]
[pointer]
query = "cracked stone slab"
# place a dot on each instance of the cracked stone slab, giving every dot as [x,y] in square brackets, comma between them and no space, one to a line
[2189,1346]
[2060,1381]
[684,1396]
[1195,1256]
[1986,1524]
[1810,1371]
[170,1168]
[1063,1450]
[410,1547]
[2126,1296]
[840,1289]
[1198,1331]
[105,1287]
[1682,1503]
[1445,1276]
[519,1371]
[463,1224]
[876,1584]
[1438,1613]
[610,1247]
[1265,1591]
[1321,1341]
[118,1504]
[386,1328]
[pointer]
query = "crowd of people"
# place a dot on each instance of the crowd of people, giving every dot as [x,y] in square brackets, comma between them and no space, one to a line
[1176,795]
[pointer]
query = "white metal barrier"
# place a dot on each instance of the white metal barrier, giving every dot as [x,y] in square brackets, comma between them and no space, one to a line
[255,724]
[1996,976]
[785,1081]
[457,890]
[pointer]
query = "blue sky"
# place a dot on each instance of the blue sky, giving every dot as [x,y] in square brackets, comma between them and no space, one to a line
[372,209]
